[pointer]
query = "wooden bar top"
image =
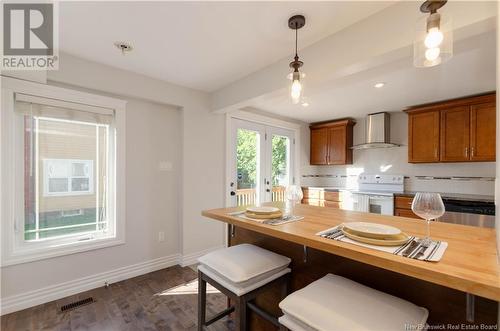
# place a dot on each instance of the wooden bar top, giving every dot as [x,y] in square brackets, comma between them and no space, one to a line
[470,264]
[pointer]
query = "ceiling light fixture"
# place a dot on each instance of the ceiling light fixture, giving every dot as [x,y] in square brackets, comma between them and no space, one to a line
[297,85]
[379,85]
[123,46]
[433,43]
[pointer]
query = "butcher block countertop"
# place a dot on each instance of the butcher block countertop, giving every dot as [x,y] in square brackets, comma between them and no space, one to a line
[470,264]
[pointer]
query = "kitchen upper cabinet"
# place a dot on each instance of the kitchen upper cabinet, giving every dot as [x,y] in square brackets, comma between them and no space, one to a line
[423,136]
[331,143]
[319,146]
[482,132]
[338,150]
[455,127]
[460,130]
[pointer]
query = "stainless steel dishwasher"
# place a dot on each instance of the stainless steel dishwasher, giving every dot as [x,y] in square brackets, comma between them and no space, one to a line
[474,213]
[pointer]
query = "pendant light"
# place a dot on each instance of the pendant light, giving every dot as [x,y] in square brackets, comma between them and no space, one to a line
[433,43]
[297,83]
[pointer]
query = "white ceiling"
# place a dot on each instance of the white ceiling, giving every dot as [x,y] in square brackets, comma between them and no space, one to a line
[201,45]
[472,70]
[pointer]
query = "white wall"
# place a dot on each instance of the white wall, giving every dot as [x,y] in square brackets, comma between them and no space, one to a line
[396,162]
[202,142]
[165,122]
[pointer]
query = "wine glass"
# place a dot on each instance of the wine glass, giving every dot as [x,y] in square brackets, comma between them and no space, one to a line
[428,206]
[293,194]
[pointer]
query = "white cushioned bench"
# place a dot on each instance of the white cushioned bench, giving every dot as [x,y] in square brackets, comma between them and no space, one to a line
[241,272]
[335,303]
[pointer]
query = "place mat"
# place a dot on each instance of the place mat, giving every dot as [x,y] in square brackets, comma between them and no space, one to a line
[432,253]
[272,221]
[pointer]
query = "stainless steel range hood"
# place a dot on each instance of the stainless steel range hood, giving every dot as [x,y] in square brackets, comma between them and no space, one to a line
[378,132]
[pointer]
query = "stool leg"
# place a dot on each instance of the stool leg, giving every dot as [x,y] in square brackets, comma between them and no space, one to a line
[242,314]
[285,287]
[202,301]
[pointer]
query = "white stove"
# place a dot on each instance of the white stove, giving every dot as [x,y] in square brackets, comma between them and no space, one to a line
[375,194]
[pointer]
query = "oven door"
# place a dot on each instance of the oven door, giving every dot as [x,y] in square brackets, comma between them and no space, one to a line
[382,204]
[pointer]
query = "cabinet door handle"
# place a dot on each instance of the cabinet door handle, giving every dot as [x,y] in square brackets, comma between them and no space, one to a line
[435,152]
[466,151]
[472,152]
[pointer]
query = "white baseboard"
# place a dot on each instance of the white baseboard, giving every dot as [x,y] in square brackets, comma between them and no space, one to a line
[192,258]
[54,292]
[46,294]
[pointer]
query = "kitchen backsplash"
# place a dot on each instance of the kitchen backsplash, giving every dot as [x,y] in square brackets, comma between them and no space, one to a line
[469,185]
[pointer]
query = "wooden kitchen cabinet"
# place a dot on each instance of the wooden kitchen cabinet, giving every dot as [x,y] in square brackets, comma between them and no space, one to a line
[319,146]
[405,213]
[459,130]
[423,136]
[482,132]
[320,197]
[455,127]
[331,142]
[402,207]
[338,150]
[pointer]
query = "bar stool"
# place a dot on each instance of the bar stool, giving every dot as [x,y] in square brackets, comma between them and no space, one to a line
[335,303]
[241,272]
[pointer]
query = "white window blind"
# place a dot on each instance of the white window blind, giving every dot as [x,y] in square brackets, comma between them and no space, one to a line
[68,162]
[52,108]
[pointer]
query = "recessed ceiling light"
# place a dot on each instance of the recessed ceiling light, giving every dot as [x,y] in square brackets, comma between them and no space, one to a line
[305,104]
[123,46]
[379,85]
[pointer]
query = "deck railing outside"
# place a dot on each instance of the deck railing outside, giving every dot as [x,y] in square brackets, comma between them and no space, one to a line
[249,196]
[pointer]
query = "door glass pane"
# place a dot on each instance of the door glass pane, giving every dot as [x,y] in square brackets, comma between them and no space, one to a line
[280,166]
[247,166]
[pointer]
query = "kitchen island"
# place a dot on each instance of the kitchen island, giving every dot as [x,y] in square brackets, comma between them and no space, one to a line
[470,264]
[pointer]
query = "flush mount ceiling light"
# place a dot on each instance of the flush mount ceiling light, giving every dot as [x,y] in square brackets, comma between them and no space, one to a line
[379,85]
[433,42]
[296,77]
[123,46]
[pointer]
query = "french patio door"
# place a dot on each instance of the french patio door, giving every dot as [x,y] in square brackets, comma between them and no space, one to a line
[261,163]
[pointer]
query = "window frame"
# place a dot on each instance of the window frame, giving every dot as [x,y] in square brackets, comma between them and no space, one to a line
[15,249]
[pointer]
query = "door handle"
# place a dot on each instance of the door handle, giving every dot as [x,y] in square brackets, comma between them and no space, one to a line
[232,193]
[268,190]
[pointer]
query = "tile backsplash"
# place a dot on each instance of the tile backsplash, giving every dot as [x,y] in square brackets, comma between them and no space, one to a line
[470,185]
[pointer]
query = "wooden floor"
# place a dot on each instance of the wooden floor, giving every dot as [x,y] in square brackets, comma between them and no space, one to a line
[161,300]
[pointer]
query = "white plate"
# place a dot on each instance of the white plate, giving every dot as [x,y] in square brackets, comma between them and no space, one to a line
[373,229]
[263,210]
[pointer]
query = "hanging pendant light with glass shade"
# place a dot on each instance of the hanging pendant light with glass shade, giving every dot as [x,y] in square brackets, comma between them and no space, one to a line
[433,43]
[297,78]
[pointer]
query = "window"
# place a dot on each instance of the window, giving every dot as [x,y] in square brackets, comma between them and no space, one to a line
[64,194]
[67,177]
